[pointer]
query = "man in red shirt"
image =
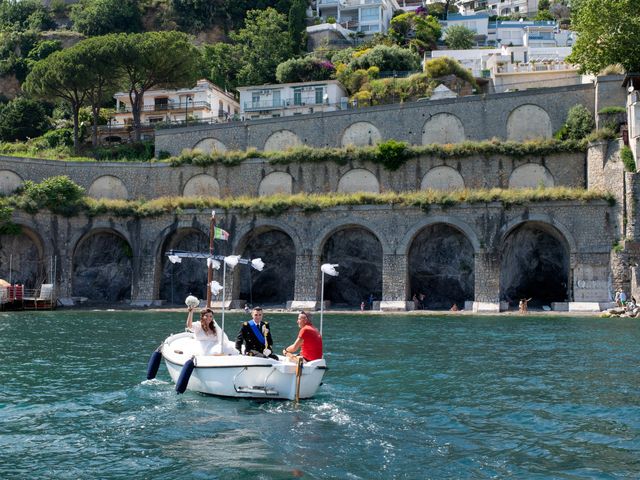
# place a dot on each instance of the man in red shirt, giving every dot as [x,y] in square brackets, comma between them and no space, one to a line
[308,338]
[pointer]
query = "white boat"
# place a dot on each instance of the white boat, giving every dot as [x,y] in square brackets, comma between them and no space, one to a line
[232,375]
[239,375]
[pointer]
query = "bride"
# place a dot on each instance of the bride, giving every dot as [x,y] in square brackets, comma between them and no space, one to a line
[206,333]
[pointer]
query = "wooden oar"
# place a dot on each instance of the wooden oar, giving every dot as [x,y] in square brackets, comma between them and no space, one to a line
[298,377]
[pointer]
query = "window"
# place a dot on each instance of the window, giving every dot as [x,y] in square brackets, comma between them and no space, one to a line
[369,14]
[255,99]
[319,92]
[161,103]
[155,119]
[297,97]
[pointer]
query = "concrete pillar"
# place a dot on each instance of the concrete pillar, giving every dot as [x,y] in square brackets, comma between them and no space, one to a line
[487,283]
[394,282]
[632,195]
[307,289]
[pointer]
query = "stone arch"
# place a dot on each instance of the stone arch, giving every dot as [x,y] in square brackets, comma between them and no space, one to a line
[527,122]
[281,140]
[531,175]
[210,145]
[409,236]
[443,128]
[441,267]
[102,267]
[358,251]
[9,182]
[108,186]
[275,284]
[189,277]
[361,134]
[442,178]
[276,182]
[23,254]
[201,185]
[535,263]
[358,180]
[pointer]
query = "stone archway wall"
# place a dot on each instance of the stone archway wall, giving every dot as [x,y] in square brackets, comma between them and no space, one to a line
[531,175]
[361,134]
[358,180]
[275,284]
[443,128]
[442,178]
[276,182]
[202,185]
[108,186]
[281,140]
[102,267]
[359,254]
[210,145]
[22,253]
[441,267]
[528,122]
[9,182]
[188,277]
[534,264]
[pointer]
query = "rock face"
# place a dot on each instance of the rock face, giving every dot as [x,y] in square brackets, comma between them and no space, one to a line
[275,284]
[188,277]
[535,265]
[441,267]
[359,254]
[21,254]
[102,269]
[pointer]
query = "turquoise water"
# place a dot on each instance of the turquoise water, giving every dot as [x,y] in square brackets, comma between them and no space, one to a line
[405,397]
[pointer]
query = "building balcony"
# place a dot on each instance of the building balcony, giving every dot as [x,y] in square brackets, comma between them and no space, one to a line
[125,108]
[542,66]
[287,103]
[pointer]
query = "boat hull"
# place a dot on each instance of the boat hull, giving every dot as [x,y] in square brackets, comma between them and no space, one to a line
[239,375]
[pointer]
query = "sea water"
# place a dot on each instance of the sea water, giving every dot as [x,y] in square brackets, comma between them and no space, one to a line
[405,397]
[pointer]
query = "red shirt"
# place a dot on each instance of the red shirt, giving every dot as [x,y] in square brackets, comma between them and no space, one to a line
[311,342]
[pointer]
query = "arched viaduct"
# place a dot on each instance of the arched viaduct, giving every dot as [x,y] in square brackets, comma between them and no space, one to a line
[466,253]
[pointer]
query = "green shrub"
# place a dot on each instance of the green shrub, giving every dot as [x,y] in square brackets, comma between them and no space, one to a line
[579,122]
[443,66]
[60,137]
[392,154]
[386,59]
[130,152]
[306,69]
[627,159]
[612,110]
[22,118]
[59,194]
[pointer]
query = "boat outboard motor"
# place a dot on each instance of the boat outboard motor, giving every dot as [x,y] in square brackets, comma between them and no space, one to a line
[154,363]
[185,374]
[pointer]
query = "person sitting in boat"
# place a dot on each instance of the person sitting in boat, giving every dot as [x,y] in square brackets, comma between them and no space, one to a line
[255,336]
[309,340]
[206,334]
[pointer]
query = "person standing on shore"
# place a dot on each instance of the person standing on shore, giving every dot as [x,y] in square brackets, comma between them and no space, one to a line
[309,340]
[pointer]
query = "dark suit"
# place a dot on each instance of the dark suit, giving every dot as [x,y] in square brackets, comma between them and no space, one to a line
[252,345]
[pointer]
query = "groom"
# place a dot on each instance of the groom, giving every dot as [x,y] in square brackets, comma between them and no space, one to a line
[255,335]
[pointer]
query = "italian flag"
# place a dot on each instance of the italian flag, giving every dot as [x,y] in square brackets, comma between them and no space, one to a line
[220,234]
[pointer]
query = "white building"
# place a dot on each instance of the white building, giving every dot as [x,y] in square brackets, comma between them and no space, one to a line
[286,99]
[479,23]
[203,102]
[518,68]
[366,16]
[526,8]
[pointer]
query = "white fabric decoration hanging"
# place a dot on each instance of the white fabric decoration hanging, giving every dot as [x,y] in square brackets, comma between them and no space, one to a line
[232,260]
[213,263]
[257,263]
[216,288]
[330,269]
[175,259]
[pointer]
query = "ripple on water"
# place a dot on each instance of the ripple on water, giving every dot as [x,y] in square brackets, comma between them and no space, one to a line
[482,397]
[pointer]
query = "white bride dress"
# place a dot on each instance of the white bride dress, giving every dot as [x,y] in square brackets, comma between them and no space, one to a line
[210,344]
